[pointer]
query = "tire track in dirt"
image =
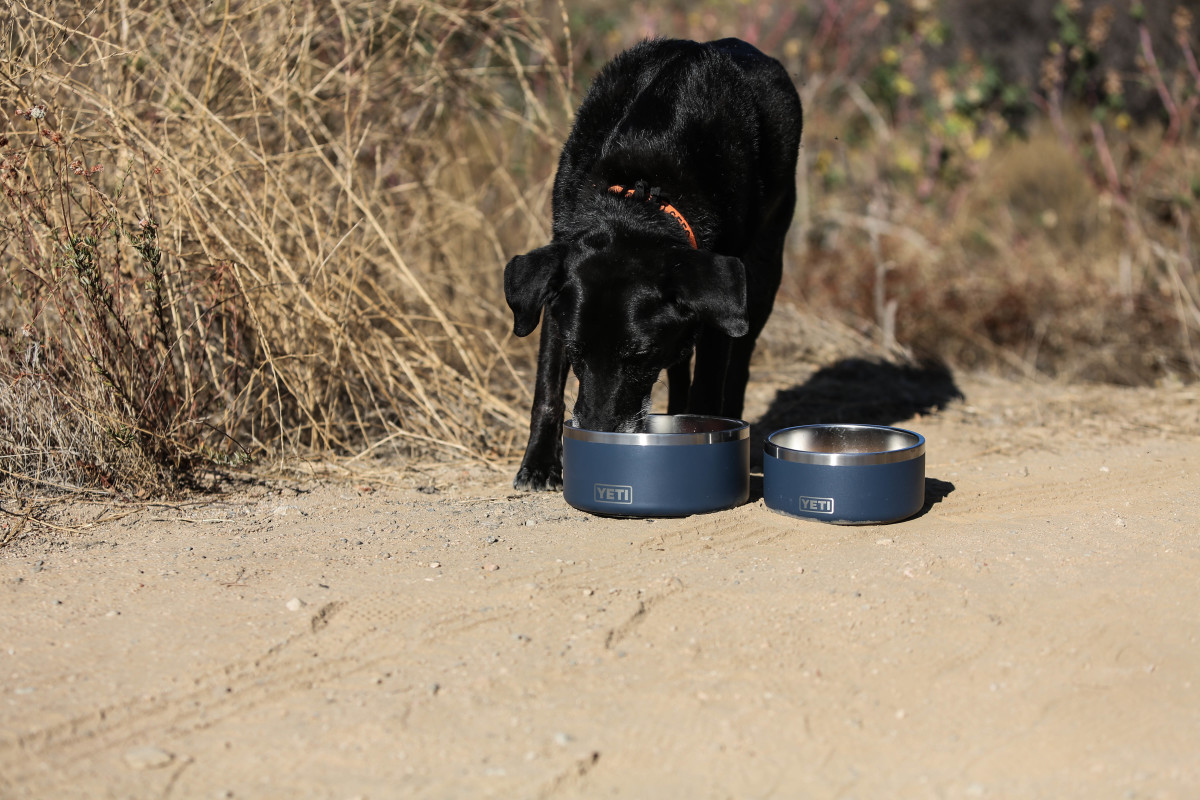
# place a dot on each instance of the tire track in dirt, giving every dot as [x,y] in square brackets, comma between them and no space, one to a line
[335,633]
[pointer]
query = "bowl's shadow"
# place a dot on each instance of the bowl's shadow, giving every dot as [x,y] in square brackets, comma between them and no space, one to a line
[935,492]
[863,391]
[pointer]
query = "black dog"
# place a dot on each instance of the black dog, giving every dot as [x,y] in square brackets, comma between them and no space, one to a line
[673,196]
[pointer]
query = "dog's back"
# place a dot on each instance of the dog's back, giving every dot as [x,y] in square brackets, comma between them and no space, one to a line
[716,119]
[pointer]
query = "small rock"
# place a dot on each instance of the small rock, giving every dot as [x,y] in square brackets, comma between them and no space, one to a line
[295,604]
[562,739]
[147,757]
[1120,522]
[435,564]
[529,523]
[588,592]
[113,614]
[491,567]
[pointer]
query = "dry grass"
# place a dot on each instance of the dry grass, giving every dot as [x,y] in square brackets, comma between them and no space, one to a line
[292,240]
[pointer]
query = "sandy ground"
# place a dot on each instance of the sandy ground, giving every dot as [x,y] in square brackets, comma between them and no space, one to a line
[1033,632]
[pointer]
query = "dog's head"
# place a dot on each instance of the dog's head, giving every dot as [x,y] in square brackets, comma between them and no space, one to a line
[627,307]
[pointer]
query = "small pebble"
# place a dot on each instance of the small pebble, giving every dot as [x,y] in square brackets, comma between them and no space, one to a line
[147,757]
[529,523]
[562,739]
[435,564]
[295,604]
[1120,522]
[588,592]
[491,567]
[113,614]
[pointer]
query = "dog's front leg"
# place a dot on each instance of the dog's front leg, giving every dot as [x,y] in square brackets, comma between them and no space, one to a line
[679,378]
[708,383]
[541,468]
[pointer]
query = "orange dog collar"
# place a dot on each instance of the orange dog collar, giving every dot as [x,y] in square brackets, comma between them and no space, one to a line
[666,208]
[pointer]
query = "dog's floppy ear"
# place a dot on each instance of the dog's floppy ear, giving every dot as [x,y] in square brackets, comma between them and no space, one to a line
[529,281]
[714,287]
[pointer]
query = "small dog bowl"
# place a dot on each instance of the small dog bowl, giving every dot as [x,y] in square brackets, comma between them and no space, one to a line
[847,474]
[680,465]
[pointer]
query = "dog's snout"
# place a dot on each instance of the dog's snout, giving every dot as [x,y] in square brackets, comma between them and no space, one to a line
[614,406]
[593,422]
[611,404]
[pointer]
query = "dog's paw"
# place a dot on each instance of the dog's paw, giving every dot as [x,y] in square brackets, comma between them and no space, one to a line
[539,479]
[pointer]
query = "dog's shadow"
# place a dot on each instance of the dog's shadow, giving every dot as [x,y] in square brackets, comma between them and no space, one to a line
[858,390]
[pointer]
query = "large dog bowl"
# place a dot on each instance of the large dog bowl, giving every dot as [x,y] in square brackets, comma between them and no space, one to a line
[848,474]
[680,465]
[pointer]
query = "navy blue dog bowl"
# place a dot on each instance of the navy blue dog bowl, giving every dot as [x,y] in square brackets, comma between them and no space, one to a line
[847,474]
[678,465]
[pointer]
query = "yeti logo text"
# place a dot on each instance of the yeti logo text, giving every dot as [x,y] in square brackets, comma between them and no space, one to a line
[622,495]
[817,505]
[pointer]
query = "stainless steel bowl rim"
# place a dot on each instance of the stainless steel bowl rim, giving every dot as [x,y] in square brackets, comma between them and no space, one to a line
[914,448]
[729,430]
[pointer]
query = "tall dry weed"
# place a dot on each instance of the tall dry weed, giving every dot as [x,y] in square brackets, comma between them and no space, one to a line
[240,231]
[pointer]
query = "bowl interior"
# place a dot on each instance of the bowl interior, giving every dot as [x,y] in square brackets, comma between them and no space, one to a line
[689,423]
[836,439]
[660,429]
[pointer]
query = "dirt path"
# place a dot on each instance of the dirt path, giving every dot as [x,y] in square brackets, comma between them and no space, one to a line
[1035,632]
